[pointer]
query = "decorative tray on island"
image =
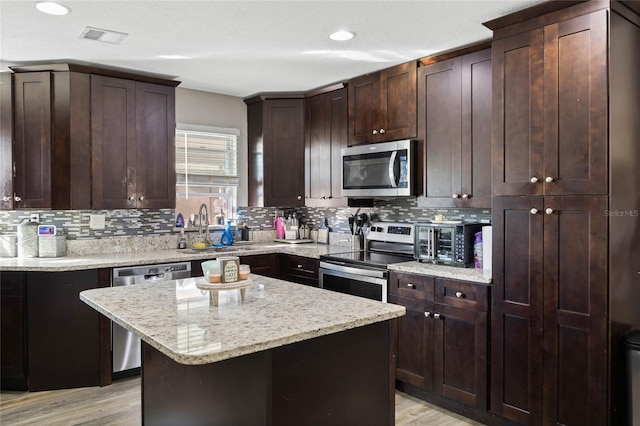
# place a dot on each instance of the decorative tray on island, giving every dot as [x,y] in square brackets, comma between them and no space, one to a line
[213,288]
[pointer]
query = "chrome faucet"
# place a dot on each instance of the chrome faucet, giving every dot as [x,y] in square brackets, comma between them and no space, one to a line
[203,224]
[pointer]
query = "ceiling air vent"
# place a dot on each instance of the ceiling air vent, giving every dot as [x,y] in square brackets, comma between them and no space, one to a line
[105,36]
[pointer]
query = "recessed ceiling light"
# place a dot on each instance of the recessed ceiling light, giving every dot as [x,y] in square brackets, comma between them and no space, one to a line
[52,8]
[342,35]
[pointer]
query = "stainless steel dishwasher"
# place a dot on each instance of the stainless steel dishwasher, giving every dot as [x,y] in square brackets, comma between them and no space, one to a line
[125,346]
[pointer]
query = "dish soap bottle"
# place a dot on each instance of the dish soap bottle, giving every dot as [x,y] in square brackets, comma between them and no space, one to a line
[182,244]
[227,238]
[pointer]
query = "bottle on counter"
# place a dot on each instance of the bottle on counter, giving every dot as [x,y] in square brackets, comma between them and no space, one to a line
[245,232]
[182,243]
[227,238]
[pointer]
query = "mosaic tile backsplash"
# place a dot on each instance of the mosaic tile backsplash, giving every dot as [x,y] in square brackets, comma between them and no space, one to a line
[120,225]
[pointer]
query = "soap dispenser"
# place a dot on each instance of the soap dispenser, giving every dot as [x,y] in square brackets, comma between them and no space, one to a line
[227,238]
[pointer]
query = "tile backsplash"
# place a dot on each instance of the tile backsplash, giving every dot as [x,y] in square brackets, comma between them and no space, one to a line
[148,222]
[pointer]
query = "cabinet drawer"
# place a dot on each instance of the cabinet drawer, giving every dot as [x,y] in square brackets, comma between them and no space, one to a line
[298,269]
[261,264]
[462,294]
[411,285]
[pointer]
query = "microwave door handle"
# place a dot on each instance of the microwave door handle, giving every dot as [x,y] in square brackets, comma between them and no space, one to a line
[392,174]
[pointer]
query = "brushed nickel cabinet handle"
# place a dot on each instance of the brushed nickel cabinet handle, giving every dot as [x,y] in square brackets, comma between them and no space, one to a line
[375,132]
[6,198]
[534,179]
[548,179]
[382,131]
[436,316]
[549,211]
[534,211]
[465,196]
[141,198]
[459,294]
[455,196]
[132,198]
[17,199]
[427,314]
[410,285]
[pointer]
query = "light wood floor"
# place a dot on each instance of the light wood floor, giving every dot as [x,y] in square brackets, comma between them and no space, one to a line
[119,404]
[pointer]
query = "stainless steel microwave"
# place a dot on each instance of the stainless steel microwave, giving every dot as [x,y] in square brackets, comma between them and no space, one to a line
[379,170]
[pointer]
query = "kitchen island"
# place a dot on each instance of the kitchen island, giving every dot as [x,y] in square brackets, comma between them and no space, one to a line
[287,354]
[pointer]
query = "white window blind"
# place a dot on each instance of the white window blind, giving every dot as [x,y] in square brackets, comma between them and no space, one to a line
[206,158]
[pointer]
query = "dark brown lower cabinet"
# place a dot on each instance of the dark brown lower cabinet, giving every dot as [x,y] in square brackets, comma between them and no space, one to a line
[13,343]
[548,330]
[50,338]
[442,341]
[299,269]
[262,264]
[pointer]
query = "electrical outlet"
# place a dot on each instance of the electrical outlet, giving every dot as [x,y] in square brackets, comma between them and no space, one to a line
[96,221]
[35,217]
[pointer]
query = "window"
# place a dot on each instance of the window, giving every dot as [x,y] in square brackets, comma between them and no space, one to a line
[206,171]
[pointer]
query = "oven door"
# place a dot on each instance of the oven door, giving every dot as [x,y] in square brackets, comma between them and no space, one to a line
[354,280]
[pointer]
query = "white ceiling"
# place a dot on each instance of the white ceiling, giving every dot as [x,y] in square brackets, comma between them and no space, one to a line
[241,48]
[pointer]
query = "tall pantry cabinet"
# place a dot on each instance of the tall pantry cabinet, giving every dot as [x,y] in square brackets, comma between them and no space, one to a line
[563,151]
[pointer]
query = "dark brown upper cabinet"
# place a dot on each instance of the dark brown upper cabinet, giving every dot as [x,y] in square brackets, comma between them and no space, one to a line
[133,154]
[454,124]
[326,133]
[73,143]
[6,141]
[52,141]
[550,103]
[382,105]
[276,151]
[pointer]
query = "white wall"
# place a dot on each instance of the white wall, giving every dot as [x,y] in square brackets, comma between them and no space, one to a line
[212,109]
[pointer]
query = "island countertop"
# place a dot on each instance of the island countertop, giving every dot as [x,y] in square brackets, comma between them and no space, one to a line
[178,319]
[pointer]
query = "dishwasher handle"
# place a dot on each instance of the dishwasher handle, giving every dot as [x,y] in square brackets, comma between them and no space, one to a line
[157,277]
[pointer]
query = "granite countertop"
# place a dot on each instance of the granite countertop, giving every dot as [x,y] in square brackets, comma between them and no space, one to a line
[116,260]
[456,273]
[178,319]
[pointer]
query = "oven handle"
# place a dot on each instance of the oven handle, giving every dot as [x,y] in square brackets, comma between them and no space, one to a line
[372,273]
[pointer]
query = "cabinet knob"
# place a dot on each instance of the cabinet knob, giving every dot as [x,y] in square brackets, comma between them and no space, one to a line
[382,131]
[299,197]
[465,196]
[141,198]
[548,179]
[534,211]
[6,198]
[410,285]
[427,314]
[17,199]
[455,196]
[132,198]
[299,266]
[436,316]
[375,132]
[534,179]
[459,294]
[549,210]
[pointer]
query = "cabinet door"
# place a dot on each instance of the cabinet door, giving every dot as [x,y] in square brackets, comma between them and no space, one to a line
[414,349]
[460,355]
[13,345]
[575,106]
[6,141]
[113,154]
[284,153]
[477,111]
[516,151]
[440,129]
[262,264]
[155,146]
[326,133]
[398,102]
[364,105]
[32,133]
[517,309]
[575,326]
[63,332]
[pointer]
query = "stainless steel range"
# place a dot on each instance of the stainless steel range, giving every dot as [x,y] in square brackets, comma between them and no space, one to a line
[365,272]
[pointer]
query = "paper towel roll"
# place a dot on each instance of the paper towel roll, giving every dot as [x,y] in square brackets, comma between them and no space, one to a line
[487,238]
